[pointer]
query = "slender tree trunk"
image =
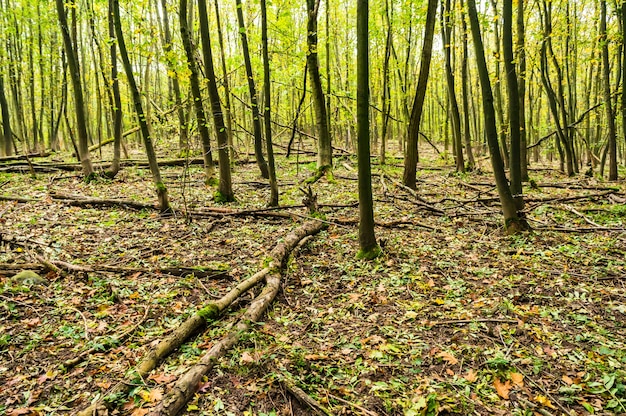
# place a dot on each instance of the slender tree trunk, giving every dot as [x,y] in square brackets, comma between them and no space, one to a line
[225,188]
[72,61]
[256,119]
[225,82]
[513,95]
[608,104]
[7,147]
[512,221]
[446,32]
[164,203]
[386,96]
[367,239]
[183,140]
[203,124]
[623,57]
[521,59]
[324,144]
[267,113]
[465,96]
[410,158]
[116,107]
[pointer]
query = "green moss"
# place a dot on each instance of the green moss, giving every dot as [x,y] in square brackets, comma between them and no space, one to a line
[211,181]
[160,186]
[209,312]
[220,198]
[369,254]
[91,177]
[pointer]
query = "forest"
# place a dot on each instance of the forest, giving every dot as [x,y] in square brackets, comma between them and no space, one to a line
[326,207]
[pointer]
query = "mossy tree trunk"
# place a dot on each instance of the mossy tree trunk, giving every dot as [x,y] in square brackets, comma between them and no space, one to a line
[267,112]
[117,100]
[194,80]
[225,187]
[324,144]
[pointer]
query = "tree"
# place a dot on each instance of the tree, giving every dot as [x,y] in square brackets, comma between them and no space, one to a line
[410,158]
[79,104]
[367,239]
[254,100]
[608,104]
[446,32]
[194,80]
[512,222]
[267,112]
[513,96]
[225,188]
[324,144]
[6,149]
[116,102]
[161,190]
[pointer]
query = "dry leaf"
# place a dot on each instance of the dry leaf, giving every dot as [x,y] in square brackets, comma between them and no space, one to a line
[155,395]
[517,379]
[447,357]
[140,412]
[19,412]
[162,378]
[502,389]
[567,380]
[449,372]
[471,375]
[544,401]
[246,358]
[315,357]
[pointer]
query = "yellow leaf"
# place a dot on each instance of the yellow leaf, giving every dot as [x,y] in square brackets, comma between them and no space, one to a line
[502,389]
[447,357]
[517,379]
[410,315]
[471,375]
[544,401]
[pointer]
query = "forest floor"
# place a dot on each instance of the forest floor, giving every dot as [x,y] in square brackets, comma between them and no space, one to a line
[455,317]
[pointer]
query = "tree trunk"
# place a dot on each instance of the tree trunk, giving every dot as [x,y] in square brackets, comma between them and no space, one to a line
[513,95]
[465,98]
[117,100]
[512,221]
[267,113]
[7,145]
[367,239]
[521,58]
[74,68]
[203,124]
[225,189]
[164,203]
[608,104]
[256,119]
[446,32]
[324,145]
[410,159]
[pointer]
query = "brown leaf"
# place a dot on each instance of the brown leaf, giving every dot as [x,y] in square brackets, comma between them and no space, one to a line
[246,358]
[567,380]
[162,378]
[140,412]
[315,357]
[447,357]
[20,411]
[517,379]
[471,375]
[502,389]
[155,395]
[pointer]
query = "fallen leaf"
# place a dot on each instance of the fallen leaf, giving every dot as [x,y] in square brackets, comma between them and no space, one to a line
[567,380]
[544,401]
[315,357]
[246,358]
[20,411]
[447,357]
[162,378]
[517,379]
[449,372]
[502,389]
[155,395]
[471,375]
[139,412]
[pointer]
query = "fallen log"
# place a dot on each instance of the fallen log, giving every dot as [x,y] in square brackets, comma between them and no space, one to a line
[201,318]
[187,385]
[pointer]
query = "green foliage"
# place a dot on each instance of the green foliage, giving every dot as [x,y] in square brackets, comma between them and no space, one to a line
[209,312]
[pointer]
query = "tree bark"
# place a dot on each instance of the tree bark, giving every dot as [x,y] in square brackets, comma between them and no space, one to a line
[367,239]
[117,99]
[608,104]
[410,158]
[324,144]
[7,138]
[161,190]
[254,99]
[74,68]
[512,222]
[267,112]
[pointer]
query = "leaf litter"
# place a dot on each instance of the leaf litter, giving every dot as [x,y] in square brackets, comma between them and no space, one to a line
[453,318]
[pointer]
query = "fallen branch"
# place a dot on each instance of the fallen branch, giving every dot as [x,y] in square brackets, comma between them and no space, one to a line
[420,201]
[302,397]
[187,385]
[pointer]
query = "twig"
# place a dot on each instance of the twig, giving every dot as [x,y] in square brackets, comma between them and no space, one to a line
[355,406]
[567,412]
[469,321]
[303,398]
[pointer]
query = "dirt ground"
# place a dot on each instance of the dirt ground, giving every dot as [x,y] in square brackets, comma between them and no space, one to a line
[455,317]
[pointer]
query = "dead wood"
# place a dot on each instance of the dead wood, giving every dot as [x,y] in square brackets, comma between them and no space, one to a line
[187,385]
[23,157]
[418,199]
[302,397]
